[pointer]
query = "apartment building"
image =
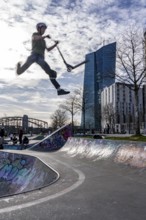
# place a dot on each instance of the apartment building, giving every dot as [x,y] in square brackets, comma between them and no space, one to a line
[118,107]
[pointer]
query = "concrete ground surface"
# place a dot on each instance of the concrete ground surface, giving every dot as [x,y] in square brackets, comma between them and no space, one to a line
[86,190]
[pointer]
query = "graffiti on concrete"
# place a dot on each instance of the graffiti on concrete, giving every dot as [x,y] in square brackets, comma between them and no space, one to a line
[54,141]
[21,173]
[129,153]
[13,165]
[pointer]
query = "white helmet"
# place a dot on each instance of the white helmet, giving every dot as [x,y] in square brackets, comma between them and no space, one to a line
[40,25]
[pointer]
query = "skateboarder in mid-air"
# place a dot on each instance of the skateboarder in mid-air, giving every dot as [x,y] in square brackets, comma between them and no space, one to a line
[37,56]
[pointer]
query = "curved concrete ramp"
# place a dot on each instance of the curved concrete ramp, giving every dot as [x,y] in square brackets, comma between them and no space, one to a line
[23,173]
[54,141]
[126,152]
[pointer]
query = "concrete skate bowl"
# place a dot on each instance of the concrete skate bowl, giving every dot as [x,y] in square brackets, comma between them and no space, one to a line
[23,173]
[123,152]
[54,141]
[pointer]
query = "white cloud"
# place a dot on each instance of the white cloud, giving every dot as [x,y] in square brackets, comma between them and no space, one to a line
[81,26]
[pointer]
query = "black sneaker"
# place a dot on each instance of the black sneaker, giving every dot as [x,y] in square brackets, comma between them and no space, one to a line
[62,92]
[18,68]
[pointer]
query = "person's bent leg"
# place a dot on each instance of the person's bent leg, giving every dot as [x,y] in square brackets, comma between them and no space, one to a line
[53,75]
[30,60]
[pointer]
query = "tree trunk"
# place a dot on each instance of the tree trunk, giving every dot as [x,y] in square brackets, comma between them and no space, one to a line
[72,120]
[84,122]
[137,123]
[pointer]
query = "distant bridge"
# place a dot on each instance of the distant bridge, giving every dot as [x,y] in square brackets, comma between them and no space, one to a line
[24,122]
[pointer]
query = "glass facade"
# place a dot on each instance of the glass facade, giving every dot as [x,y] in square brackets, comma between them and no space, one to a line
[99,73]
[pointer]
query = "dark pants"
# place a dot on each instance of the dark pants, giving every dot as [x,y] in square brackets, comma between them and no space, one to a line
[39,59]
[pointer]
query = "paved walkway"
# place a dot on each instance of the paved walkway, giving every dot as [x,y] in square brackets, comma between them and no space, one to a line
[95,190]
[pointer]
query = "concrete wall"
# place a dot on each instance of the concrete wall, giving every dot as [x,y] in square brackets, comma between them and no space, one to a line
[128,153]
[53,141]
[23,173]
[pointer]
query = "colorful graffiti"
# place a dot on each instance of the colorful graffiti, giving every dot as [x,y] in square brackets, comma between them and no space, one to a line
[54,141]
[22,173]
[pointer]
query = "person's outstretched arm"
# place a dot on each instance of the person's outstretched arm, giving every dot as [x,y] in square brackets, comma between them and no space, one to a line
[52,47]
[39,37]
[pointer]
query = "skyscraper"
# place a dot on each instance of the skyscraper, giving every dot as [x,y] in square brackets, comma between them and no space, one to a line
[145,49]
[99,73]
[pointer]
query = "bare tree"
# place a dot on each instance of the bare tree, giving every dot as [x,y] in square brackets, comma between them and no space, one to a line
[109,115]
[81,104]
[59,118]
[70,106]
[130,65]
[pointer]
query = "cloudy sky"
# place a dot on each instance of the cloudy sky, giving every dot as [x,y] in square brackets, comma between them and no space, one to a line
[81,26]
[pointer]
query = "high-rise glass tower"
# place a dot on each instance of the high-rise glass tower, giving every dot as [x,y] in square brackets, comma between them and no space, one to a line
[99,73]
